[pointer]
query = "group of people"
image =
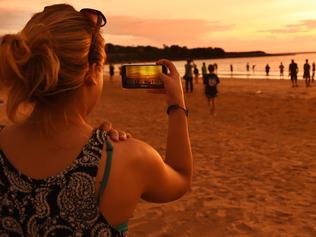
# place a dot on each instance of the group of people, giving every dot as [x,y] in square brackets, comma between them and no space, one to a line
[210,81]
[293,71]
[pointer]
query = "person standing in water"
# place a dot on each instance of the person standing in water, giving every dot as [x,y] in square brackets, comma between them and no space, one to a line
[111,69]
[281,67]
[307,74]
[267,70]
[313,70]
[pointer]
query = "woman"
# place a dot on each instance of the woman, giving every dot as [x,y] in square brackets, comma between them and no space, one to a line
[46,189]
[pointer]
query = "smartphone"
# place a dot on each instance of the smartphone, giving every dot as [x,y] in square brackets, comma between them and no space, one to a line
[145,76]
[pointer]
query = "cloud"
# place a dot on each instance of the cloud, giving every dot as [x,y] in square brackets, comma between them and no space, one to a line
[179,31]
[303,26]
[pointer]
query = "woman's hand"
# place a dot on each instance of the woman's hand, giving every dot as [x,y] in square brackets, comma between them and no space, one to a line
[115,135]
[172,84]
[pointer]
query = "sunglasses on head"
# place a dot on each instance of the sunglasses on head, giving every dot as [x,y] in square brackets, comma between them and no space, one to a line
[101,21]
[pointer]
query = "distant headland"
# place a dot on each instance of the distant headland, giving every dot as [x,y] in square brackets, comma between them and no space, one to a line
[123,54]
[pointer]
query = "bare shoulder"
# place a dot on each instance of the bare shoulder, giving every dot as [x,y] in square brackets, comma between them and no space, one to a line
[135,150]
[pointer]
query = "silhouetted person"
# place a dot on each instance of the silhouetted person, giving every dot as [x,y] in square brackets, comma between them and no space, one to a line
[313,70]
[307,74]
[281,67]
[196,73]
[293,70]
[231,69]
[111,68]
[247,67]
[211,88]
[215,67]
[204,71]
[188,76]
[267,69]
[253,68]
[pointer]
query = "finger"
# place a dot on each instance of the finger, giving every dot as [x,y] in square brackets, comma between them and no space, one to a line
[122,136]
[114,135]
[172,68]
[106,126]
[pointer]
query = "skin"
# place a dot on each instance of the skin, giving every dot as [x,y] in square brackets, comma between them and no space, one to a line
[137,171]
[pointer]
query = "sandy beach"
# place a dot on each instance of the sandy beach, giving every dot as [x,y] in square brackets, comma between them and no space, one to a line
[254,162]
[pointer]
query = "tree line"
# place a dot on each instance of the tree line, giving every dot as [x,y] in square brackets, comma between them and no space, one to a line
[120,54]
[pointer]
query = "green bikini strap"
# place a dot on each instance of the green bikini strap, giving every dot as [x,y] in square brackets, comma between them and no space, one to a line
[107,169]
[109,152]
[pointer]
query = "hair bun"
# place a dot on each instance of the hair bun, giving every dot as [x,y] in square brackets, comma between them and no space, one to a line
[15,52]
[43,66]
[31,63]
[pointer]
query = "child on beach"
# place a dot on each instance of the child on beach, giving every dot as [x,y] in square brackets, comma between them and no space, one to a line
[60,176]
[211,82]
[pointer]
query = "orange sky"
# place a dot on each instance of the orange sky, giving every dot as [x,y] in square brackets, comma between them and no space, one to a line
[235,25]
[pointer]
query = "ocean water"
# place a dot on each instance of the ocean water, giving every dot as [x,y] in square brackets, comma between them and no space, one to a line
[239,66]
[240,71]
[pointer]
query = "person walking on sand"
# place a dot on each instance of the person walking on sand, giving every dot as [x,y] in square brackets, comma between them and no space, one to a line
[281,67]
[196,73]
[204,71]
[211,83]
[293,70]
[188,76]
[59,175]
[231,69]
[307,74]
[267,70]
[247,67]
[313,71]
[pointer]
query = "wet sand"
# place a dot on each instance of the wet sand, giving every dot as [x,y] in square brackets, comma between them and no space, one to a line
[254,162]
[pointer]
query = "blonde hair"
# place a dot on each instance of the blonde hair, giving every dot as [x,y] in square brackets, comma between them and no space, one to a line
[48,58]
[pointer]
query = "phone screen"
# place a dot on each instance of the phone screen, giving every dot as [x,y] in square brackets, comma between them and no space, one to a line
[142,76]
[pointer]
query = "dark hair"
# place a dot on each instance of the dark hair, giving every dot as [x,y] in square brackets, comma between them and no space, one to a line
[211,68]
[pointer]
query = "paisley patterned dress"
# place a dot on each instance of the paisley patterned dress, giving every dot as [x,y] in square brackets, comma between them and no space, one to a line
[59,206]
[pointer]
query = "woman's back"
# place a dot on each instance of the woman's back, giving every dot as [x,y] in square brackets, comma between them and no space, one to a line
[53,175]
[61,204]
